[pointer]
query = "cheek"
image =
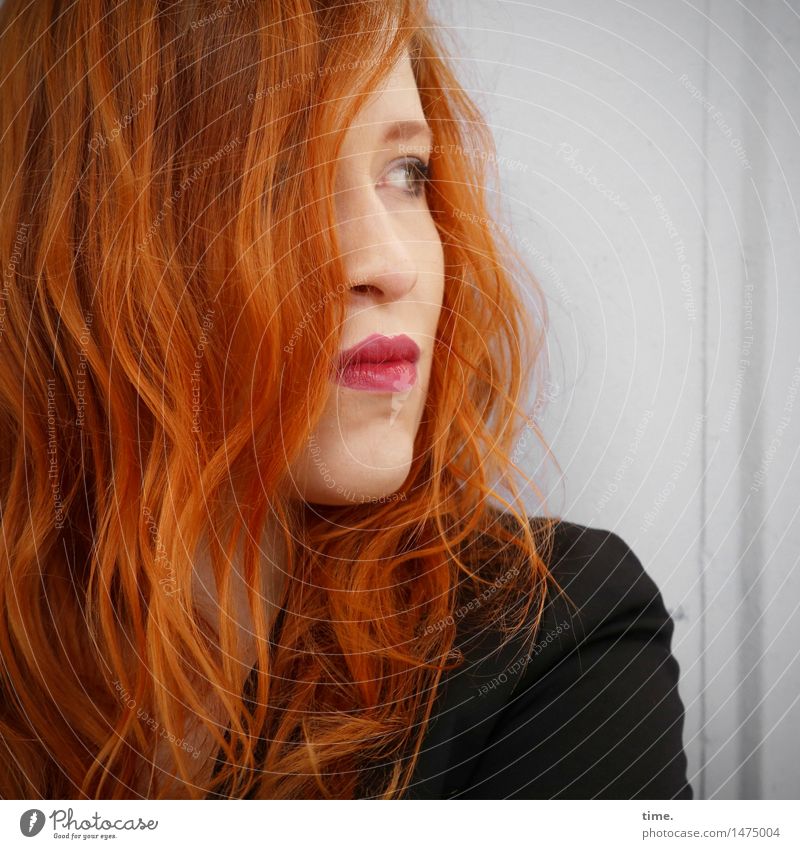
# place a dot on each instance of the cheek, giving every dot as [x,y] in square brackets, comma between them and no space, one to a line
[435,296]
[428,252]
[438,274]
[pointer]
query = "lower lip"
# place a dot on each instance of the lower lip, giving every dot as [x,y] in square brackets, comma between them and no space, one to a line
[394,376]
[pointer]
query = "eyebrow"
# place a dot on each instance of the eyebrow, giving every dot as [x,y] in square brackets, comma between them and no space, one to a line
[404,130]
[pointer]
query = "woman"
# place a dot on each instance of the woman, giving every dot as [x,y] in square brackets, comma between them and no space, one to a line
[261,375]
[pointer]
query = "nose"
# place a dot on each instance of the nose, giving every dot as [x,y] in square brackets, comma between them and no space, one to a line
[376,257]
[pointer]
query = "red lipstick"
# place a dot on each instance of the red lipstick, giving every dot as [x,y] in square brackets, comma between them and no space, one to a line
[379,363]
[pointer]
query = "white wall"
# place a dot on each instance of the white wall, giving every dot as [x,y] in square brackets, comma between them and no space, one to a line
[675,343]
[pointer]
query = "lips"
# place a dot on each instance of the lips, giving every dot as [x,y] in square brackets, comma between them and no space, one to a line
[379,363]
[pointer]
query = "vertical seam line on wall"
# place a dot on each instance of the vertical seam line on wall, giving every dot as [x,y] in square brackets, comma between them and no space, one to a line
[704,401]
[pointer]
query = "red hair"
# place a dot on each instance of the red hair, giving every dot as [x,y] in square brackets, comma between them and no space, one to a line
[167,237]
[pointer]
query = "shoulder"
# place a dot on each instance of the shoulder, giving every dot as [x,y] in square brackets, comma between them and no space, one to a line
[589,710]
[604,578]
[599,583]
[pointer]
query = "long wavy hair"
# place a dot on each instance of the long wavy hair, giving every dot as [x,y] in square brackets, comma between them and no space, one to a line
[171,303]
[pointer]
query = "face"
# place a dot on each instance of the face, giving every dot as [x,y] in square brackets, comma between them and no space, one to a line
[362,449]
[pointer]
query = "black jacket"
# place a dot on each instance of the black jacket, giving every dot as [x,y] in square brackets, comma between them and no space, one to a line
[595,714]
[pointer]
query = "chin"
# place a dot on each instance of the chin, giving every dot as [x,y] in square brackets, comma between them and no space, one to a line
[356,480]
[341,495]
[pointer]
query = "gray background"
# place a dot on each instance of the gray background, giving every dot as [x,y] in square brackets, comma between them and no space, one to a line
[674,346]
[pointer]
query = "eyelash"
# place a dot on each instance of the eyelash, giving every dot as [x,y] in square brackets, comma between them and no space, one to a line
[422,172]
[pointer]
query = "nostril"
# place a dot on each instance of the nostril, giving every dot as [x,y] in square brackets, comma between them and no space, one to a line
[364,289]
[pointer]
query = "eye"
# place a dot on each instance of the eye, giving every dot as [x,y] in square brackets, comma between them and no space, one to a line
[416,174]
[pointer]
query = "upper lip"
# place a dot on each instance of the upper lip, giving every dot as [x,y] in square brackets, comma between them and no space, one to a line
[377,348]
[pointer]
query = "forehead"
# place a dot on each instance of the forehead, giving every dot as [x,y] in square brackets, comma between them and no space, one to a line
[397,100]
